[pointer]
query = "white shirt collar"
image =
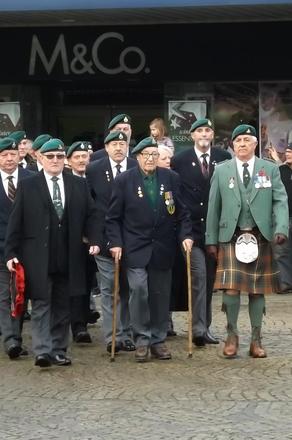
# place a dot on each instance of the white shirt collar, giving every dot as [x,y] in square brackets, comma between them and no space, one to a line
[199,153]
[114,166]
[4,175]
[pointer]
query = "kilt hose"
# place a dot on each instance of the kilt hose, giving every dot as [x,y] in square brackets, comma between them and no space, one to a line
[259,277]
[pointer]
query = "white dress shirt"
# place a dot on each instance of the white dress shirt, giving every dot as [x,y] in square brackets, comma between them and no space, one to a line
[199,155]
[114,166]
[4,177]
[250,167]
[60,182]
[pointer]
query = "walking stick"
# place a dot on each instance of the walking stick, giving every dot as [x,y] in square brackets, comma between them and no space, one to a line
[190,312]
[115,302]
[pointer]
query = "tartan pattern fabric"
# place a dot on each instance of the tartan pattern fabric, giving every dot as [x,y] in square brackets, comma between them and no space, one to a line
[258,277]
[11,188]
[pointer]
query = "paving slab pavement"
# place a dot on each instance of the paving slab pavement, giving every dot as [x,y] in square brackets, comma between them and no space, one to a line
[206,397]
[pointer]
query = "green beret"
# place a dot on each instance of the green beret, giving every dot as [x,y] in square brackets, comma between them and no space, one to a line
[243,129]
[147,142]
[119,119]
[52,145]
[7,144]
[40,140]
[204,122]
[17,136]
[77,146]
[289,146]
[116,136]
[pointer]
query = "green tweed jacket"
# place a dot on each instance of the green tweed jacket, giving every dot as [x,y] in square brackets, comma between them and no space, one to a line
[268,201]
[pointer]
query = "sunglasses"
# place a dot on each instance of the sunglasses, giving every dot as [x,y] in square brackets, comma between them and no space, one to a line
[52,156]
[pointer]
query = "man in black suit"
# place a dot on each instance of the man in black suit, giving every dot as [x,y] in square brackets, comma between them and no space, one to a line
[10,175]
[144,219]
[100,176]
[195,167]
[47,236]
[121,122]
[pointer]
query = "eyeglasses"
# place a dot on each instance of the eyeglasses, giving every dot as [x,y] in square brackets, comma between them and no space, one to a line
[154,155]
[52,156]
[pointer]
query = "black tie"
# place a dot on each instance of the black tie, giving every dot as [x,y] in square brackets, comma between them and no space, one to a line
[57,200]
[246,175]
[118,167]
[205,167]
[11,188]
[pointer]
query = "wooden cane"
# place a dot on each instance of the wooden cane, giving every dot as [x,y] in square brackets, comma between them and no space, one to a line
[115,302]
[190,311]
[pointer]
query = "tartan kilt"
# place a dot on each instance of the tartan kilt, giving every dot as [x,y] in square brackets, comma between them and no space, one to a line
[258,277]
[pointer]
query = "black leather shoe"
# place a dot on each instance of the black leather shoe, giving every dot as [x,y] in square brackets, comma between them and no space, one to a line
[14,351]
[24,352]
[171,332]
[211,339]
[26,316]
[199,341]
[142,353]
[128,345]
[118,347]
[83,337]
[60,359]
[43,360]
[93,316]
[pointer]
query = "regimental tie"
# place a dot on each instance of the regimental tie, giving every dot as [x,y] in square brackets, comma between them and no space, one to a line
[11,188]
[246,175]
[205,166]
[57,199]
[118,167]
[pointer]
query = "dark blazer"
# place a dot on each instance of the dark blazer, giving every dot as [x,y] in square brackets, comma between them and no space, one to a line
[100,181]
[147,236]
[99,154]
[6,208]
[29,230]
[195,187]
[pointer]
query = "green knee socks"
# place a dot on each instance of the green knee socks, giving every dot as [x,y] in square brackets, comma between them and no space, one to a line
[231,305]
[256,308]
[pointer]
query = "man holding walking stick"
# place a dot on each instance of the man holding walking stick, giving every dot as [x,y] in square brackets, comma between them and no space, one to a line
[144,219]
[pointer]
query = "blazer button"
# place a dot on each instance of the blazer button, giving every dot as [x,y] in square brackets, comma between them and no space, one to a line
[46,228]
[202,219]
[201,204]
[46,245]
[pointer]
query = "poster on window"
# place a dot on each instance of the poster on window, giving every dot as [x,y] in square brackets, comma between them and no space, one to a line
[275,115]
[9,117]
[181,116]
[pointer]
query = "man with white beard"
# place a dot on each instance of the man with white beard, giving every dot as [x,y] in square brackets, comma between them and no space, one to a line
[195,167]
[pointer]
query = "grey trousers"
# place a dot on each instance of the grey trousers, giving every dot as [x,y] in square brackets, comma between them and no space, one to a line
[106,270]
[283,256]
[10,327]
[203,270]
[149,304]
[50,319]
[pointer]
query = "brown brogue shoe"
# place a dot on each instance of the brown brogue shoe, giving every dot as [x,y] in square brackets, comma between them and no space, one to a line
[256,350]
[231,346]
[141,354]
[160,351]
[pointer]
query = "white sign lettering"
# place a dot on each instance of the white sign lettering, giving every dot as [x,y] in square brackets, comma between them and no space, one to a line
[77,64]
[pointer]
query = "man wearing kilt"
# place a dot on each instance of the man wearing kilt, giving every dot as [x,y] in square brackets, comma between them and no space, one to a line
[247,210]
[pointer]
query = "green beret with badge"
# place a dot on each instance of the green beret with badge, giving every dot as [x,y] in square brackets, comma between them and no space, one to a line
[204,122]
[147,142]
[7,144]
[243,129]
[18,136]
[40,140]
[52,145]
[119,119]
[77,146]
[116,136]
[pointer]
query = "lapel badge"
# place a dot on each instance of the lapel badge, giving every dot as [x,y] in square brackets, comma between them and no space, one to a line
[214,163]
[140,193]
[107,176]
[231,182]
[193,164]
[169,202]
[161,190]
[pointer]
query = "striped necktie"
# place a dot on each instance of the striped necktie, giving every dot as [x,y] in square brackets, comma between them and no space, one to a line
[11,188]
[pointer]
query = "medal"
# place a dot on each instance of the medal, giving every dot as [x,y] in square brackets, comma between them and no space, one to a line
[108,176]
[231,182]
[140,194]
[161,190]
[169,202]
